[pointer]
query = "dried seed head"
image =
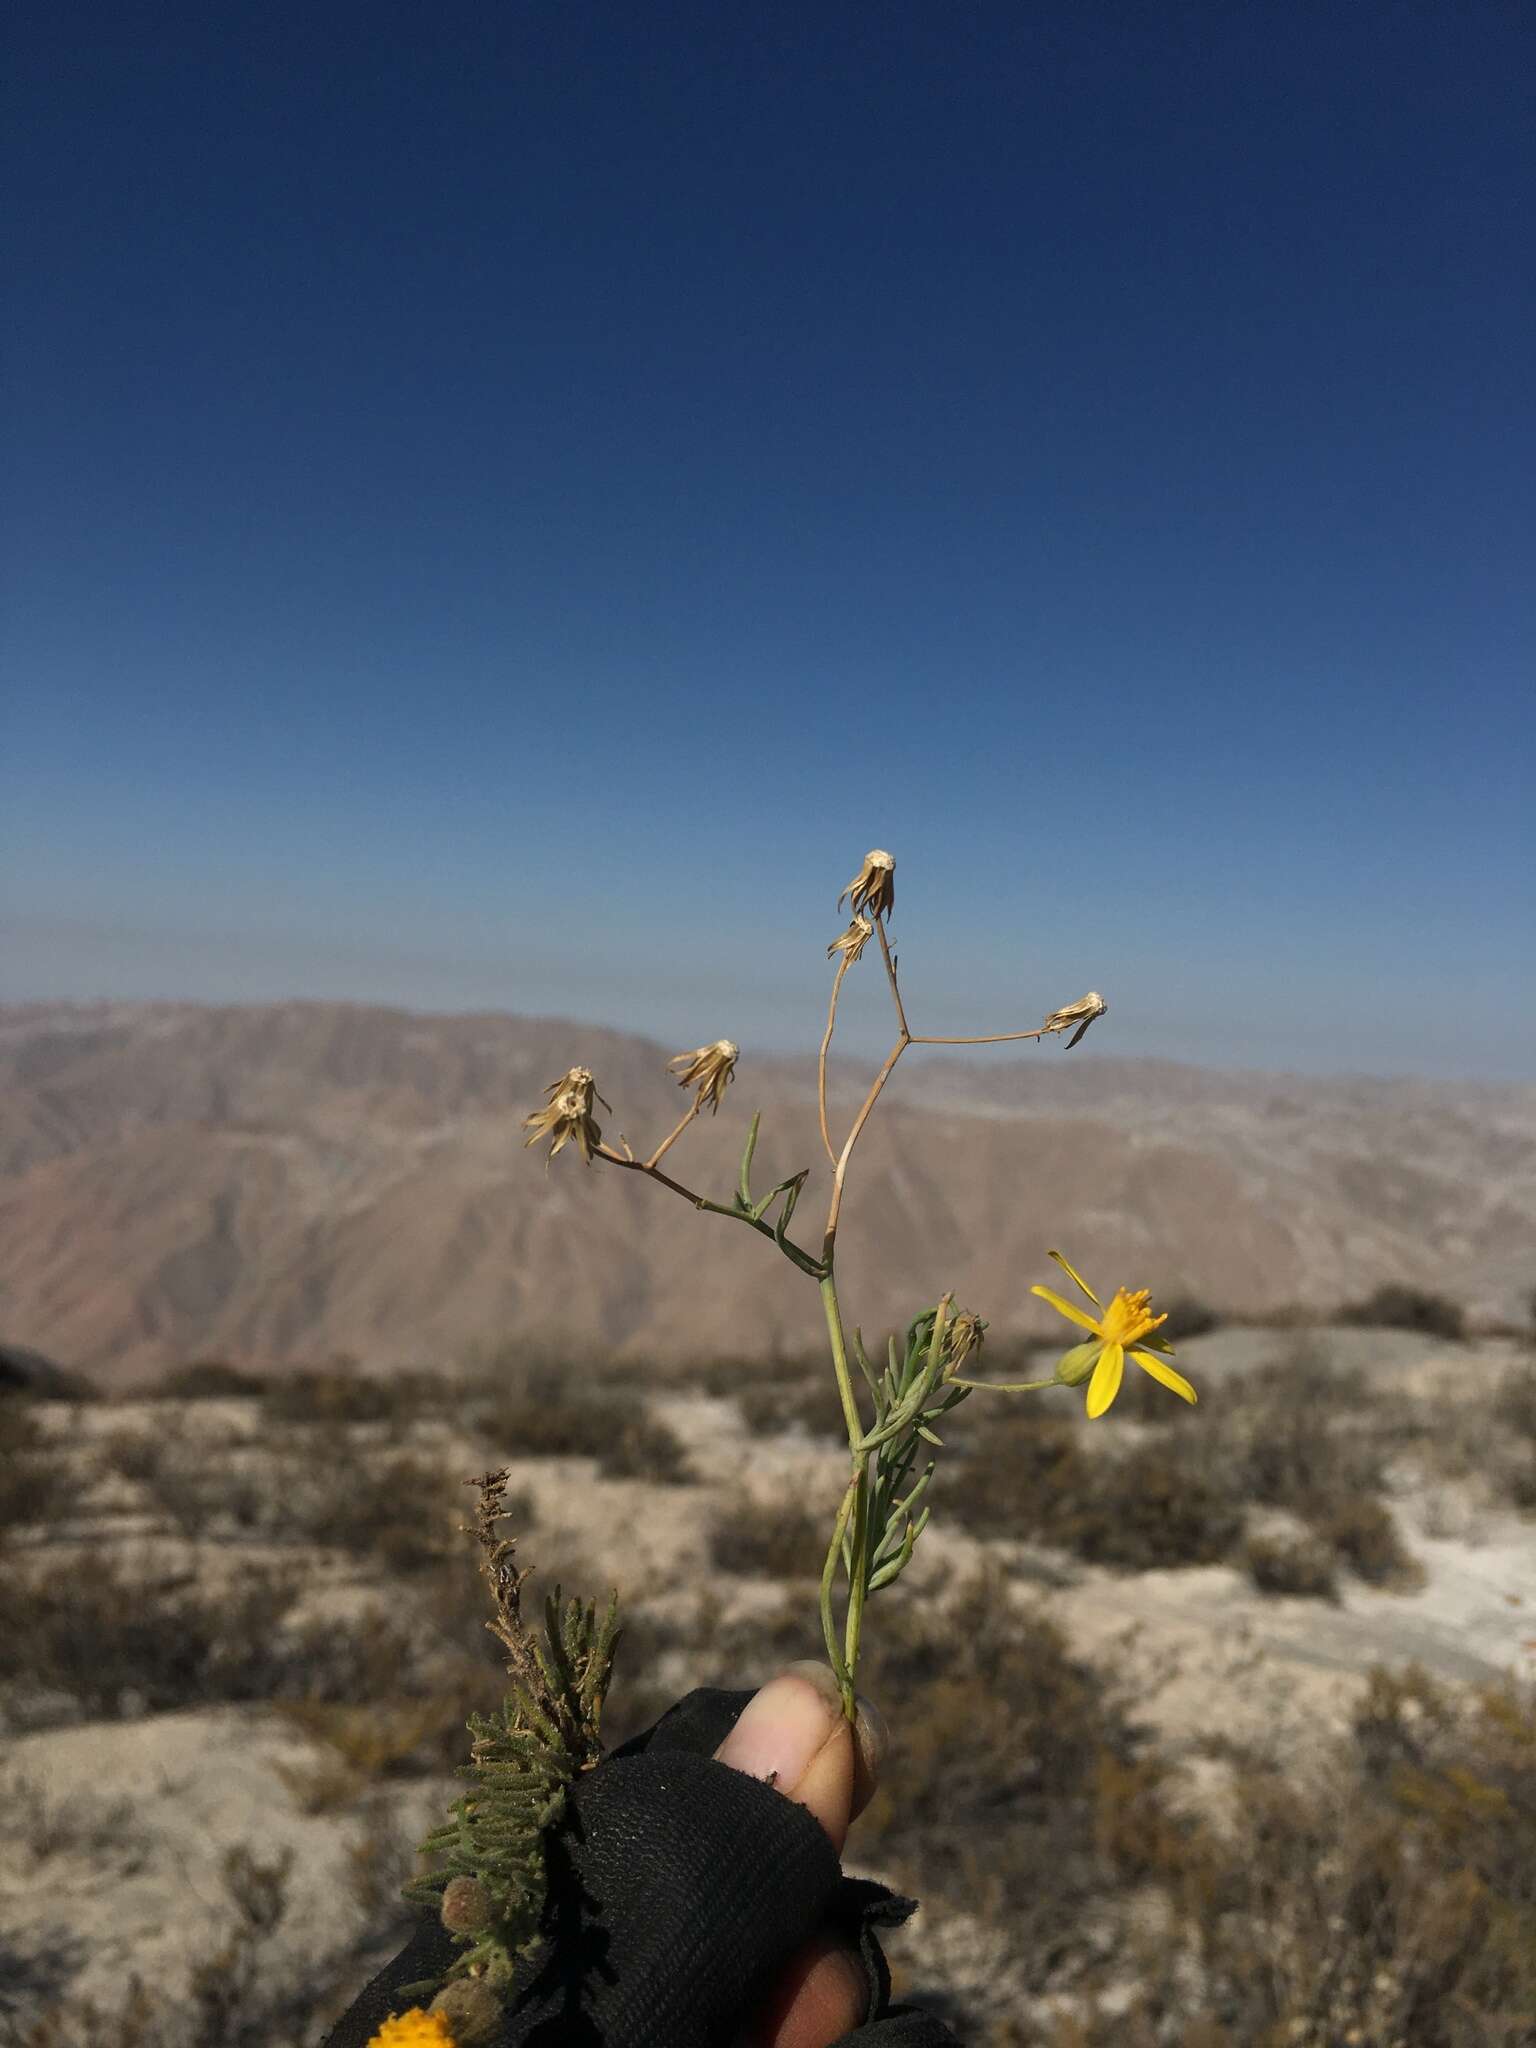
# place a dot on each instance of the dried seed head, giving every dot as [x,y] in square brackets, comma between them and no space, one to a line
[708,1068]
[568,1115]
[873,888]
[577,1081]
[853,941]
[963,1338]
[1081,1013]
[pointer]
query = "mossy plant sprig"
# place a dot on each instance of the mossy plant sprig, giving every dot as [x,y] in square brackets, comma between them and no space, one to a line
[891,1412]
[489,1882]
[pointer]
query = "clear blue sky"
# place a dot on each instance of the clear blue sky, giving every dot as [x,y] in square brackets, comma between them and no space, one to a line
[504,504]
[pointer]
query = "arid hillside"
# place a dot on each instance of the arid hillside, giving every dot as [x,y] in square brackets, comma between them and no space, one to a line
[281,1183]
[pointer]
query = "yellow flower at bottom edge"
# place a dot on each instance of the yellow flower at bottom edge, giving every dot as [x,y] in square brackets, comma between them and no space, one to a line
[413,2029]
[1118,1329]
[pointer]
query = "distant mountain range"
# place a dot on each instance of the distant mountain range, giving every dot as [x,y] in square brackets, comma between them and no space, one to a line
[280,1183]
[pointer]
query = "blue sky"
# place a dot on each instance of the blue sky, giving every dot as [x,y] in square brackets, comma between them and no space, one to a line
[504,505]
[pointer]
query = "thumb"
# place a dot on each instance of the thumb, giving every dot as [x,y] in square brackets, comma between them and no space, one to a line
[794,1735]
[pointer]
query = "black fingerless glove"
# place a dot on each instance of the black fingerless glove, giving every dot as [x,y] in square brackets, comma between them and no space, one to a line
[677,1888]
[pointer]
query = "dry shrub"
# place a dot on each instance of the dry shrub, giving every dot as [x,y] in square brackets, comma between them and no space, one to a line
[1011,1760]
[338,1393]
[767,1540]
[1364,1534]
[321,1487]
[644,1447]
[1299,1565]
[1515,1402]
[542,1416]
[101,1639]
[1148,1505]
[358,1743]
[46,1825]
[402,1512]
[805,1407]
[726,1378]
[1396,1307]
[1189,1316]
[208,1379]
[33,1480]
[1297,1435]
[1389,1903]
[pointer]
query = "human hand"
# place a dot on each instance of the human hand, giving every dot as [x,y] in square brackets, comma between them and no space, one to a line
[693,1906]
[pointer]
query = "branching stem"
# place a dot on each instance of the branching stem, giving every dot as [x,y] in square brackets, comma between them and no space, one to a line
[675,1133]
[997,1038]
[795,1253]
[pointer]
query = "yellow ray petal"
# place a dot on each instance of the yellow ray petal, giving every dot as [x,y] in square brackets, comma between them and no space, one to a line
[1105,1384]
[1065,1308]
[1166,1376]
[1074,1274]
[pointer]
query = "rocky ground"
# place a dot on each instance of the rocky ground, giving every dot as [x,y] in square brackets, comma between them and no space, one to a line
[242,1632]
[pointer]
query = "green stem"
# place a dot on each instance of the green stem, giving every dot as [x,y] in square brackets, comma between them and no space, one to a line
[828,1579]
[856,1501]
[858,1581]
[851,1416]
[1007,1386]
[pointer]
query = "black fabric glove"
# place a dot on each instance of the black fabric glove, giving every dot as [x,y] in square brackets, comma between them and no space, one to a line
[678,1887]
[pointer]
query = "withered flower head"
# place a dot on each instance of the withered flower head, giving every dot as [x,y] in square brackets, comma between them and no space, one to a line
[577,1081]
[567,1115]
[708,1068]
[1081,1013]
[963,1337]
[873,888]
[853,941]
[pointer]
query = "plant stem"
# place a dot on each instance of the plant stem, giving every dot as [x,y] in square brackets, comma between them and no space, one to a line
[828,1579]
[1007,1386]
[821,1063]
[997,1038]
[795,1253]
[890,975]
[673,1135]
[858,1581]
[840,1172]
[851,1417]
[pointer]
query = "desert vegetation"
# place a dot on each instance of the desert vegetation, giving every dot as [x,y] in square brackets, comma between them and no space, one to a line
[284,1562]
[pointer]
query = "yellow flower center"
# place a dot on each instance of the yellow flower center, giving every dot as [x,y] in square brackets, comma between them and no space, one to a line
[413,2029]
[1126,1320]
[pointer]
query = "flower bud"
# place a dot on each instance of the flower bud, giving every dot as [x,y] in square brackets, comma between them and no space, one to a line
[466,1906]
[472,2010]
[1076,1365]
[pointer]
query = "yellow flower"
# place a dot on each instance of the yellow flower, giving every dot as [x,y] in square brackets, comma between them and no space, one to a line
[852,942]
[873,888]
[1126,1323]
[413,2029]
[709,1068]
